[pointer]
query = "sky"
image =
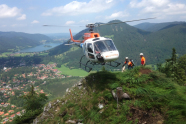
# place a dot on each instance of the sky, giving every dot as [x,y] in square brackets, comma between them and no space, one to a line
[29,16]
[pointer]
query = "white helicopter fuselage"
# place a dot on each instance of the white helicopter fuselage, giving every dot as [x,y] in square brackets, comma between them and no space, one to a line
[100,50]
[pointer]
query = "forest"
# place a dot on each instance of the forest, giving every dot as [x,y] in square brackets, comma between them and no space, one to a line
[14,41]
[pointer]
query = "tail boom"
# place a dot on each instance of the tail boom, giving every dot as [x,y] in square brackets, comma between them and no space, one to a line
[72,39]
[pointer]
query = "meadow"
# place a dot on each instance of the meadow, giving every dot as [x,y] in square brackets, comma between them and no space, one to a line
[72,72]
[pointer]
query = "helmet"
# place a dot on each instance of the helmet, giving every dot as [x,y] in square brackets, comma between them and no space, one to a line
[126,58]
[141,54]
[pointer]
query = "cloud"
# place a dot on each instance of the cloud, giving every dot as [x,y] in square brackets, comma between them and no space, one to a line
[34,22]
[78,8]
[18,25]
[69,22]
[3,25]
[22,17]
[117,15]
[84,21]
[7,12]
[159,7]
[146,3]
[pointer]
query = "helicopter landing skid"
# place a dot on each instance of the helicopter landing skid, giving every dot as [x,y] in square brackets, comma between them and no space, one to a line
[111,64]
[85,65]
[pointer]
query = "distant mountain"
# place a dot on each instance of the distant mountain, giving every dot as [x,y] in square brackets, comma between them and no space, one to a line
[131,41]
[10,41]
[58,35]
[152,27]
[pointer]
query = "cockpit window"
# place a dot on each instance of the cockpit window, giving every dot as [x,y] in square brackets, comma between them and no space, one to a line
[104,46]
[89,47]
[110,45]
[100,46]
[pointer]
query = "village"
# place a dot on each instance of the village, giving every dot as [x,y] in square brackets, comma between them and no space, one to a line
[20,83]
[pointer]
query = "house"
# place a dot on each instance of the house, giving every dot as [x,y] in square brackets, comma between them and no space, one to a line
[1,113]
[10,111]
[6,114]
[18,113]
[12,116]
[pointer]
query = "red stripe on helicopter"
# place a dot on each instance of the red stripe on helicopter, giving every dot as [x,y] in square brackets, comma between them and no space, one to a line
[112,55]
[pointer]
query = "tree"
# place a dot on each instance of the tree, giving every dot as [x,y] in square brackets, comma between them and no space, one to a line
[175,70]
[182,69]
[33,104]
[34,101]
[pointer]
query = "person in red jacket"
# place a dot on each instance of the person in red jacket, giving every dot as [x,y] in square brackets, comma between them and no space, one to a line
[142,59]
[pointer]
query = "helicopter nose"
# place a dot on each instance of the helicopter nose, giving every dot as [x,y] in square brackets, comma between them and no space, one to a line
[111,55]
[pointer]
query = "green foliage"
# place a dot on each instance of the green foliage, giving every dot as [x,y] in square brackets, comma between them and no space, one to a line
[174,69]
[153,27]
[57,87]
[151,93]
[16,40]
[34,101]
[103,68]
[33,104]
[27,117]
[73,72]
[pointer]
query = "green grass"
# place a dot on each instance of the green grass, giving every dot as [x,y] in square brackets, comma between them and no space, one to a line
[57,88]
[161,98]
[51,63]
[153,67]
[72,72]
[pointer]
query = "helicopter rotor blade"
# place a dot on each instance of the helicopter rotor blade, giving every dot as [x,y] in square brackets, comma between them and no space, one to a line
[124,21]
[63,26]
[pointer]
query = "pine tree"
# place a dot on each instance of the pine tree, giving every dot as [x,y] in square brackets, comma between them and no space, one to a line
[175,70]
[33,105]
[34,101]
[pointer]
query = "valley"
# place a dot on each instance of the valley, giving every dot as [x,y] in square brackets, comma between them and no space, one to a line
[54,71]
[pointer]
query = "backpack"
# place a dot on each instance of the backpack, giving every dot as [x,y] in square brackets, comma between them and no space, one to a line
[132,62]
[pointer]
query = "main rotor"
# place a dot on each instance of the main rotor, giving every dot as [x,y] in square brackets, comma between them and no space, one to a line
[92,25]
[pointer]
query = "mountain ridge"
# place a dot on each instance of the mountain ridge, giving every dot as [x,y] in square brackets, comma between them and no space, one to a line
[153,27]
[131,41]
[11,41]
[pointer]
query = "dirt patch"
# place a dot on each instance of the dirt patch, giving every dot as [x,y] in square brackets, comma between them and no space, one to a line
[144,117]
[145,71]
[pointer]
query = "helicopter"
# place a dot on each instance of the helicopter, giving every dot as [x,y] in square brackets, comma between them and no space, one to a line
[98,50]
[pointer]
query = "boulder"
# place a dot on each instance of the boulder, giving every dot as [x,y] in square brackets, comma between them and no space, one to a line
[120,95]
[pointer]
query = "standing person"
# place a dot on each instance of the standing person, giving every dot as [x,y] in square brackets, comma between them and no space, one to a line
[142,59]
[129,62]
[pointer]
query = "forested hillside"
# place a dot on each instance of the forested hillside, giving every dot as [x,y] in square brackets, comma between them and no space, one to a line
[131,41]
[11,41]
[153,27]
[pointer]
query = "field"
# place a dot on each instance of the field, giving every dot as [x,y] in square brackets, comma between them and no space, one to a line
[72,72]
[6,54]
[57,87]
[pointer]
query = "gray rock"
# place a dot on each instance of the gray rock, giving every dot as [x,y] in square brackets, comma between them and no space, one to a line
[67,90]
[70,121]
[120,94]
[100,105]
[126,96]
[80,84]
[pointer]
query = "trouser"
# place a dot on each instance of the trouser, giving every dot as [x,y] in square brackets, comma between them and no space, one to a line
[130,67]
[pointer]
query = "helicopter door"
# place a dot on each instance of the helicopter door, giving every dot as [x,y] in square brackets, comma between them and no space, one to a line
[90,51]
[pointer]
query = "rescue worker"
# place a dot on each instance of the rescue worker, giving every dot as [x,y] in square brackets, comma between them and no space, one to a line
[142,59]
[129,63]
